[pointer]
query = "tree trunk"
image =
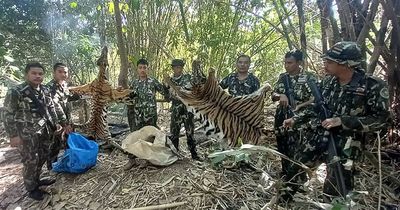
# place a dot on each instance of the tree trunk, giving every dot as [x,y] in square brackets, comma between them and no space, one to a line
[284,28]
[123,74]
[302,25]
[324,18]
[346,20]
[380,42]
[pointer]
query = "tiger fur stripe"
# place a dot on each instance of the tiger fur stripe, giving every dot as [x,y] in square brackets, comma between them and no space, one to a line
[237,117]
[101,93]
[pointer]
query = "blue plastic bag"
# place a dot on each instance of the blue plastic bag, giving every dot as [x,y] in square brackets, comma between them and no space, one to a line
[79,157]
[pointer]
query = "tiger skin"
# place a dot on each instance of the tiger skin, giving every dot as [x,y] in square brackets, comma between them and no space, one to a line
[101,93]
[236,117]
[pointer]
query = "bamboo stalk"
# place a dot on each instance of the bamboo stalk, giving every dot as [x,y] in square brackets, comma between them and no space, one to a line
[162,206]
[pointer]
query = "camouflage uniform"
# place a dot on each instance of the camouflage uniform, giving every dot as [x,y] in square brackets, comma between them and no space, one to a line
[179,115]
[144,112]
[238,87]
[23,119]
[286,139]
[62,96]
[362,106]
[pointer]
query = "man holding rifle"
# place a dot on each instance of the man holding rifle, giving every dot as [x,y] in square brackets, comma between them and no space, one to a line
[348,104]
[293,94]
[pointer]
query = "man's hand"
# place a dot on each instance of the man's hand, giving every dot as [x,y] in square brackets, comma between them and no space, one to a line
[68,129]
[283,100]
[288,123]
[15,141]
[58,128]
[331,122]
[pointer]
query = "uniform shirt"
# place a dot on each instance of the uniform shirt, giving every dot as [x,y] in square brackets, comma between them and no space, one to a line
[22,114]
[238,87]
[61,95]
[184,82]
[362,105]
[145,100]
[298,86]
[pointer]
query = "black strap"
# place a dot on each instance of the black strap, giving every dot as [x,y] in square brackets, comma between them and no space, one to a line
[40,106]
[288,85]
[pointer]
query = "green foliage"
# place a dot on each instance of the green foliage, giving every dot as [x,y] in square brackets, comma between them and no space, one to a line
[73,4]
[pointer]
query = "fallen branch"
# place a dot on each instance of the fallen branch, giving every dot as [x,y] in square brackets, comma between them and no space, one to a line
[162,206]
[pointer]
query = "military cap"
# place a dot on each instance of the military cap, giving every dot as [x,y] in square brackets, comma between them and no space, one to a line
[344,52]
[178,62]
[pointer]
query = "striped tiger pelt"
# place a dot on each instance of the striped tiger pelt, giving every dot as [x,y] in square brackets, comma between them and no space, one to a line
[101,93]
[237,117]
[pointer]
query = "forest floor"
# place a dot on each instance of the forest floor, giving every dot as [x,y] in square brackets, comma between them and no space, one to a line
[188,184]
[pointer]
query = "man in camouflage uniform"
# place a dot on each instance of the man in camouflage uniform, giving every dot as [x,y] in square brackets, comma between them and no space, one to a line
[358,103]
[179,113]
[241,82]
[144,112]
[31,117]
[292,83]
[59,91]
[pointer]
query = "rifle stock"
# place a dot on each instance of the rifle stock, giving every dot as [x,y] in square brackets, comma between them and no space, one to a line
[333,157]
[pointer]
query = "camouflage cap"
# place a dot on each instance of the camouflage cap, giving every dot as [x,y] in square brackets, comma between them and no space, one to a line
[178,62]
[344,53]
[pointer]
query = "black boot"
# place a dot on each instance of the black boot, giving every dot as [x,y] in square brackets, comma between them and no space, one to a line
[194,154]
[37,194]
[175,142]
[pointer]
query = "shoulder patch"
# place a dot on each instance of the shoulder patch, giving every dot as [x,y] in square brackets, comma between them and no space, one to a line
[384,93]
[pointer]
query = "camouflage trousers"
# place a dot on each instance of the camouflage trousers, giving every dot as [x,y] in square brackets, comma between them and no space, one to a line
[180,115]
[136,120]
[35,150]
[287,143]
[312,150]
[57,145]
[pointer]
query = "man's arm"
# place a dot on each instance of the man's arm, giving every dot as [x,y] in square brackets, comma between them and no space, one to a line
[377,110]
[11,106]
[161,88]
[279,89]
[256,84]
[224,82]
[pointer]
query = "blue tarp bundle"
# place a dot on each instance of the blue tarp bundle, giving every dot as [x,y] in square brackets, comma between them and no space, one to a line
[80,155]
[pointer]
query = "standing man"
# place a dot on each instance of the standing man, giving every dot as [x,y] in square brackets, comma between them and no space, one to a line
[242,82]
[358,103]
[179,113]
[293,94]
[59,91]
[31,117]
[144,112]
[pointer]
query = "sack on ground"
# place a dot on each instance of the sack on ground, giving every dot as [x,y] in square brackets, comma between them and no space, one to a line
[80,155]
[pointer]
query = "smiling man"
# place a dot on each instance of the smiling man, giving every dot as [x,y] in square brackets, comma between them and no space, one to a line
[31,118]
[59,91]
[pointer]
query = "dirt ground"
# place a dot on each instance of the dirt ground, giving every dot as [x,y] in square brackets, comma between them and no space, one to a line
[189,184]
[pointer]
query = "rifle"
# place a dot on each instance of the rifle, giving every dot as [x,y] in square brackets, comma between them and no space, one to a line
[333,157]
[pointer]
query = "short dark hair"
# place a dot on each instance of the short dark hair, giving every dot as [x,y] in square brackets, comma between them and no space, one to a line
[58,65]
[33,65]
[296,54]
[142,61]
[243,56]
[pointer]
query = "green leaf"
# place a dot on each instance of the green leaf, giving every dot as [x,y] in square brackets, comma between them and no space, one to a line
[124,30]
[111,7]
[73,4]
[98,7]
